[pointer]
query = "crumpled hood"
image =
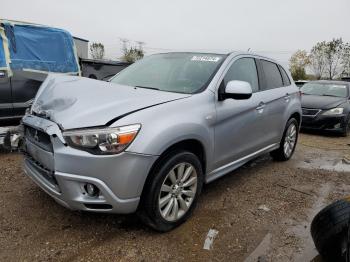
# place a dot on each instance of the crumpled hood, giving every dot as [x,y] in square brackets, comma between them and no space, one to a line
[76,102]
[321,102]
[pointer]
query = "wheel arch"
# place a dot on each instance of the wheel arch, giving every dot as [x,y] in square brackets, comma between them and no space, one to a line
[297,117]
[191,145]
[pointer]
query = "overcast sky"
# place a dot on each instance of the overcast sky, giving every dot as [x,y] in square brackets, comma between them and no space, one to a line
[272,27]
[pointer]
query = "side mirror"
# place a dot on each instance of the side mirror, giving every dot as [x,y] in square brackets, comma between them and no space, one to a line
[237,90]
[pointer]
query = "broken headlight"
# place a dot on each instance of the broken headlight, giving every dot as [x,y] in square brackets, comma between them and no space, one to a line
[102,141]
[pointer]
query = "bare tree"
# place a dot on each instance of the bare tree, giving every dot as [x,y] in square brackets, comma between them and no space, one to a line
[132,53]
[333,56]
[125,43]
[346,60]
[317,59]
[97,50]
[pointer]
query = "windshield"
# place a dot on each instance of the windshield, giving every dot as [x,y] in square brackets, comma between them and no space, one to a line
[325,89]
[174,72]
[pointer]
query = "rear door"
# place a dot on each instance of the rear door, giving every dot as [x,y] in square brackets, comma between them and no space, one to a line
[276,98]
[5,96]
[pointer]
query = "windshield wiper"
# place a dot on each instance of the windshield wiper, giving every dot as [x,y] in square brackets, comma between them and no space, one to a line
[147,87]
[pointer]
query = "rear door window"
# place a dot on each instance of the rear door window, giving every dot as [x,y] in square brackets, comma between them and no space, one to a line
[273,76]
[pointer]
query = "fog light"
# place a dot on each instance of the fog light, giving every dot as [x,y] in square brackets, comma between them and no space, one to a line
[92,190]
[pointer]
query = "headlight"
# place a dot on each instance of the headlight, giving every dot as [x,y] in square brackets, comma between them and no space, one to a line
[102,141]
[334,111]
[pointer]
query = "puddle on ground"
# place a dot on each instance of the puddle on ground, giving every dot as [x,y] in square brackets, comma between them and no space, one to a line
[326,163]
[302,229]
[298,229]
[259,253]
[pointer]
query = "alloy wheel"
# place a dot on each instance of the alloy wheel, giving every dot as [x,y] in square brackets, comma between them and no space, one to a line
[178,191]
[290,140]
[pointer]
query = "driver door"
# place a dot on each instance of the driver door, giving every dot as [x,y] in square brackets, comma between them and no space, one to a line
[240,123]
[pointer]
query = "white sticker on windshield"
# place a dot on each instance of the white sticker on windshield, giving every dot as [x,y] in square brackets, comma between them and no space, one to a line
[214,59]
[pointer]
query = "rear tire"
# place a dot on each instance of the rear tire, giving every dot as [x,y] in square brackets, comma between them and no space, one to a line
[288,142]
[329,230]
[164,216]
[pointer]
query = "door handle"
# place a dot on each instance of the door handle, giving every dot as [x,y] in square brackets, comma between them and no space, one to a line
[260,107]
[287,97]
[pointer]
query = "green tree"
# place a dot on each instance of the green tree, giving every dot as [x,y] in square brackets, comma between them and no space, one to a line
[97,50]
[298,63]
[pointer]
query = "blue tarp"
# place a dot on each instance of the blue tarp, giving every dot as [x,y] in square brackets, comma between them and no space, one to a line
[2,54]
[39,48]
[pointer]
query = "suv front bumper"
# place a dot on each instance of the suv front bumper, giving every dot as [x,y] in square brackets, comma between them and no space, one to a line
[64,172]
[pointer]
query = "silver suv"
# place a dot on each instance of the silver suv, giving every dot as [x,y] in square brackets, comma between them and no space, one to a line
[151,137]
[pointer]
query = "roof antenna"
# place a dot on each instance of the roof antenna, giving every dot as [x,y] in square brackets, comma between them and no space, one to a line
[248,49]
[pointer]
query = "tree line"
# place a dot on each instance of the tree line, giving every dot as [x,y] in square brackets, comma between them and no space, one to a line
[327,60]
[131,53]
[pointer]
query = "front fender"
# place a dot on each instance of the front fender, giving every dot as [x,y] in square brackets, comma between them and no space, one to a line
[165,125]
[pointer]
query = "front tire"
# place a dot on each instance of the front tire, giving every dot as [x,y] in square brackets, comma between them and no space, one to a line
[288,142]
[172,191]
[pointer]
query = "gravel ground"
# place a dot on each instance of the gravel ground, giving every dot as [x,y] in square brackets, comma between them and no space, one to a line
[34,227]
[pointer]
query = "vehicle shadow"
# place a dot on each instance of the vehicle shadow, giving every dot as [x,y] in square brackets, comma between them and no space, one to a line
[324,133]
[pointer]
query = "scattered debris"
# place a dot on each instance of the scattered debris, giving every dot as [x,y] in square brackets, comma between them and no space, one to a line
[264,208]
[294,189]
[283,186]
[297,190]
[208,243]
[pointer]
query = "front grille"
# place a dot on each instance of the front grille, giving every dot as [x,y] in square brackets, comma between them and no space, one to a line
[38,138]
[310,111]
[42,170]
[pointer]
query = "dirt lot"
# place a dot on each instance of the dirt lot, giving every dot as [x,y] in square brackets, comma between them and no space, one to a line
[34,227]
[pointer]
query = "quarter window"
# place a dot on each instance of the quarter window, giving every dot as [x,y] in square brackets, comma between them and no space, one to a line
[244,69]
[272,75]
[286,80]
